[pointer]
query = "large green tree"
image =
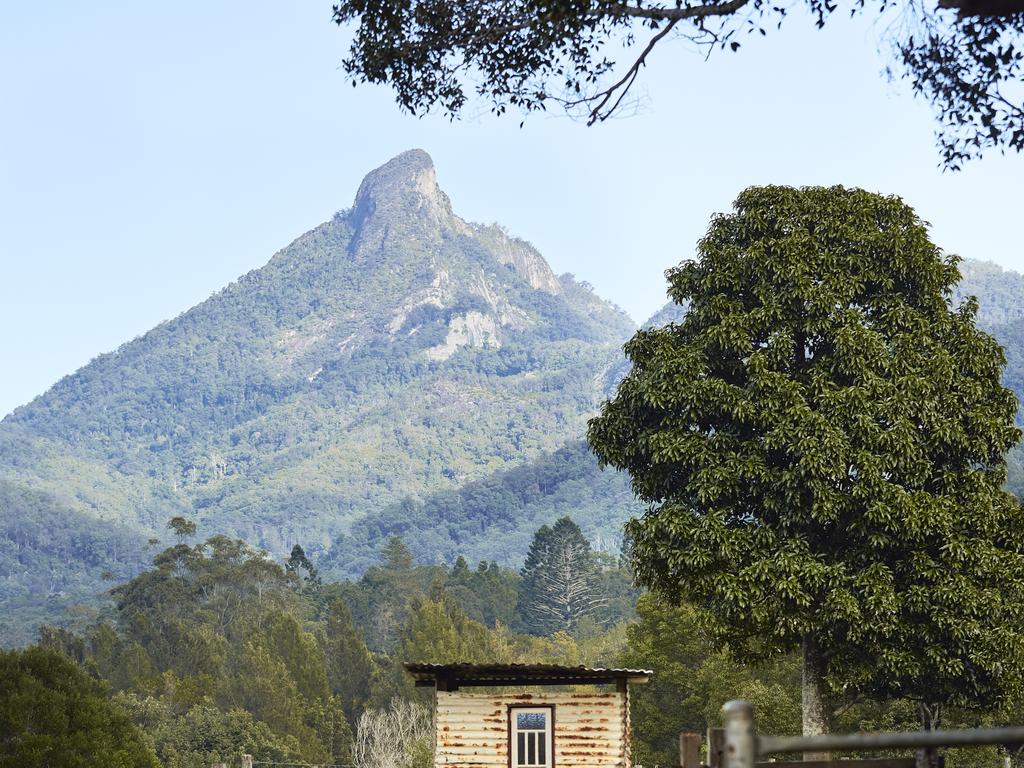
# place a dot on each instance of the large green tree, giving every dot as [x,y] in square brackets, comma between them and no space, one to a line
[821,443]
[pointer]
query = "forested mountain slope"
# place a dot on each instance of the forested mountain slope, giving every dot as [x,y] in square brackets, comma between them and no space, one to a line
[493,518]
[390,353]
[396,370]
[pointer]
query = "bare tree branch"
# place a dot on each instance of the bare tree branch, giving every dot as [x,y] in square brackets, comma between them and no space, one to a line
[624,83]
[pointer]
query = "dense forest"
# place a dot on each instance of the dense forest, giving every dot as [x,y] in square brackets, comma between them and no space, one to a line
[215,650]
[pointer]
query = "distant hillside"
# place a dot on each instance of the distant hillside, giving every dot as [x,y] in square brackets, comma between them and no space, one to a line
[391,353]
[494,518]
[1000,292]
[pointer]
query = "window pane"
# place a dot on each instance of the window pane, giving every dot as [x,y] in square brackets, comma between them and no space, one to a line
[531,721]
[531,743]
[541,745]
[521,752]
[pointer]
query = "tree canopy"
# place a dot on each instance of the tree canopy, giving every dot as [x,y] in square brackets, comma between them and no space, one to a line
[964,57]
[559,585]
[53,714]
[821,443]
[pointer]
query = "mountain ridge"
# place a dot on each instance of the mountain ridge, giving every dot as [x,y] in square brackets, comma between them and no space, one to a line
[392,351]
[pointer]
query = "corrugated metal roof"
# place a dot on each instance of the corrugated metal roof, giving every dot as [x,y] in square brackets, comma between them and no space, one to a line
[452,676]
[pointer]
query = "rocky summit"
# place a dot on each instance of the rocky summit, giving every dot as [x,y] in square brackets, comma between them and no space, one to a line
[391,354]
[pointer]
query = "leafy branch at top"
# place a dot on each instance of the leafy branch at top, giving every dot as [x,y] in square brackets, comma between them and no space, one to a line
[962,57]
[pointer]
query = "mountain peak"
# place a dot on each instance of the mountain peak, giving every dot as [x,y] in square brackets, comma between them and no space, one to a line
[405,185]
[399,171]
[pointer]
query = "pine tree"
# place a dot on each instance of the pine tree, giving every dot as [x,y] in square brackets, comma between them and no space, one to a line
[559,581]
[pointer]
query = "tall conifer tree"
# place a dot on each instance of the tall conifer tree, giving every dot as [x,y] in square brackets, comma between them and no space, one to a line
[559,585]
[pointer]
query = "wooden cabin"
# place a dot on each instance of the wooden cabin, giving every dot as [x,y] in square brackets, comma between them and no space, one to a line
[554,716]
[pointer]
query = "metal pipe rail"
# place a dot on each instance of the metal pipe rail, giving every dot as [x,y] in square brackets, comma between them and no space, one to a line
[849,742]
[743,747]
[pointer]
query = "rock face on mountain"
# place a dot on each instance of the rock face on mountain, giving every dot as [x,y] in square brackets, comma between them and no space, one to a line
[393,352]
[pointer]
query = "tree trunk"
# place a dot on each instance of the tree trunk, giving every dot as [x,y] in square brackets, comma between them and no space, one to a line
[817,709]
[929,758]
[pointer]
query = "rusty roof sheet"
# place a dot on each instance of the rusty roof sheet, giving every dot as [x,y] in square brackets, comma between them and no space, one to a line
[520,674]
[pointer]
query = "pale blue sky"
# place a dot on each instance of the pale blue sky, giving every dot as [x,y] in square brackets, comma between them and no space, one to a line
[149,154]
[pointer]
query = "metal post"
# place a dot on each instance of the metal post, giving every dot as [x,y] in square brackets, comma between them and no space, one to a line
[740,739]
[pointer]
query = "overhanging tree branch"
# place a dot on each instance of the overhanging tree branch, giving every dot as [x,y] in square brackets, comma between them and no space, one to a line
[528,54]
[600,110]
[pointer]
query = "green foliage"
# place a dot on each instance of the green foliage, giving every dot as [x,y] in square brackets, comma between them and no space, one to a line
[560,581]
[821,443]
[301,566]
[53,715]
[486,594]
[183,528]
[437,55]
[438,631]
[384,598]
[205,735]
[216,630]
[694,676]
[350,666]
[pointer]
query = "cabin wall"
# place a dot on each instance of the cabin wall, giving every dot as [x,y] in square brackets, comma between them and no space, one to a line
[591,729]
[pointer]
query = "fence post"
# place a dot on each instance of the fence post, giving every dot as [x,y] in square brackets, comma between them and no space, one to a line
[716,747]
[689,750]
[246,761]
[929,758]
[740,739]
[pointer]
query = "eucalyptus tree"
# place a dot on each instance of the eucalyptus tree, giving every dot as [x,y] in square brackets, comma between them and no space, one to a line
[821,443]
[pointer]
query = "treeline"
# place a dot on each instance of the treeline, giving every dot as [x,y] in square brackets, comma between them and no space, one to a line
[494,517]
[217,650]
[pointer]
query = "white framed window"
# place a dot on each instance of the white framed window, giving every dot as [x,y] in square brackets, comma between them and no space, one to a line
[530,730]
